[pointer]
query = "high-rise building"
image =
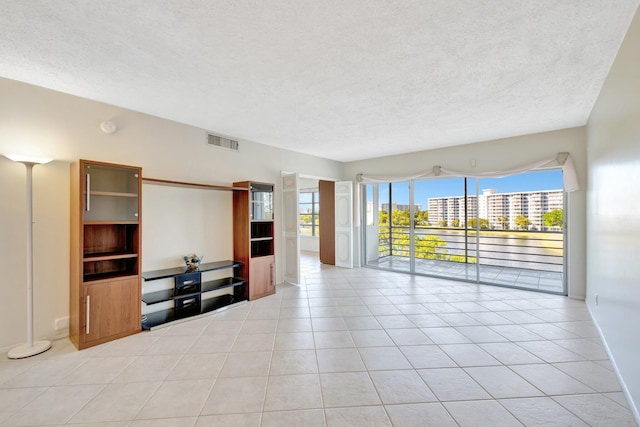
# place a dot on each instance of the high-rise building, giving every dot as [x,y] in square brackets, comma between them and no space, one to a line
[500,209]
[451,209]
[400,207]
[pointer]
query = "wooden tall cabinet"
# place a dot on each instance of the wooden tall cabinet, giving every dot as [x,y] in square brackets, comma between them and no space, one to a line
[253,235]
[105,292]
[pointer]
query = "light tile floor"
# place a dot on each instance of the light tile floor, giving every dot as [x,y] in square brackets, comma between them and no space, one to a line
[357,347]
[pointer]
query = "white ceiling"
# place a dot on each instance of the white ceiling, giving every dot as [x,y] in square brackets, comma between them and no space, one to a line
[340,79]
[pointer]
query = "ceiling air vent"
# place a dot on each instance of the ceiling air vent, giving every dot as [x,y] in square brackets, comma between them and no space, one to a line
[222,142]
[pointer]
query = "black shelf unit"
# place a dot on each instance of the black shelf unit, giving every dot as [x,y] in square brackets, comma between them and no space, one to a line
[172,272]
[187,292]
[171,294]
[165,316]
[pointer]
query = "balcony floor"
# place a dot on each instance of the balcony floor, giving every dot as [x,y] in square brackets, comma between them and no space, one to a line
[547,281]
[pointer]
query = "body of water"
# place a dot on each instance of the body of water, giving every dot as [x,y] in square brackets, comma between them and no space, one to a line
[509,248]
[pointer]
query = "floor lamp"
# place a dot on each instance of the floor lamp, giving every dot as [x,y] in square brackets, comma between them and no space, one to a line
[31,348]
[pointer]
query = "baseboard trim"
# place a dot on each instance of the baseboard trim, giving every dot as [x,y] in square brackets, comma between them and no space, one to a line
[625,390]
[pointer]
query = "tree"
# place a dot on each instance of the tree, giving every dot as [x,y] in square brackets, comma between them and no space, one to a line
[455,223]
[504,222]
[522,222]
[400,218]
[421,217]
[383,217]
[553,218]
[428,247]
[442,223]
[400,243]
[305,219]
[484,223]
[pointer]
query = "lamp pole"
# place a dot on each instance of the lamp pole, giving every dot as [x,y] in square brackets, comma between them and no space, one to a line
[31,348]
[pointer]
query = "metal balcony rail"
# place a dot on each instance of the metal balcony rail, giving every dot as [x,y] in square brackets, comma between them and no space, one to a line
[504,248]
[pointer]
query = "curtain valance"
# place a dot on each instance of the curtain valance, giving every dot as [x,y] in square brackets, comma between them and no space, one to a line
[563,159]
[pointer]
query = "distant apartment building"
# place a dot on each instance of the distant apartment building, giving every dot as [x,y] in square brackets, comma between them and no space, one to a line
[451,209]
[399,207]
[495,207]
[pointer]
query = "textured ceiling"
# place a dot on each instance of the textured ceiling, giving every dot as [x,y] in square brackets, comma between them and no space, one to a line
[343,80]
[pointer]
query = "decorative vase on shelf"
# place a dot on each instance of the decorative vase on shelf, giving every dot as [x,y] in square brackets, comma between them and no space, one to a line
[193,262]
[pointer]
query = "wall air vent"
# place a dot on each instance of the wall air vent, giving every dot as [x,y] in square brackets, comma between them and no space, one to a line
[222,142]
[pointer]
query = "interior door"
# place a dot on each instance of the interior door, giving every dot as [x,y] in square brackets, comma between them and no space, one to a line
[291,227]
[344,224]
[327,222]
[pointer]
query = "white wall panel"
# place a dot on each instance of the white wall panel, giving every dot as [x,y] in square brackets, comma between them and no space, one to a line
[344,224]
[613,212]
[291,227]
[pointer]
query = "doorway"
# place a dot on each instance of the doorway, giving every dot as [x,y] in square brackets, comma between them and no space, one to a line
[316,209]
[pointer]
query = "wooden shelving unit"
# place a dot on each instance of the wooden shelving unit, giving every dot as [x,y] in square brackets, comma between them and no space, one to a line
[105,252]
[200,296]
[106,293]
[253,236]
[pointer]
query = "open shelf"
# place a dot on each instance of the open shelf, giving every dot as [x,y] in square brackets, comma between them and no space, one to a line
[164,316]
[261,229]
[109,238]
[170,294]
[99,269]
[189,289]
[261,247]
[171,272]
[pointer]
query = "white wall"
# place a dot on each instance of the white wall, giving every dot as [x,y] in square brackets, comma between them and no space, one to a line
[39,121]
[613,212]
[310,243]
[499,155]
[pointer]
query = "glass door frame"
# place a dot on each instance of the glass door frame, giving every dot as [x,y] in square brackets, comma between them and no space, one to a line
[467,243]
[412,229]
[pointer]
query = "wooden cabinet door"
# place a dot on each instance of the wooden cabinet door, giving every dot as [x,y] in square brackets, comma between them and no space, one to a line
[261,277]
[111,310]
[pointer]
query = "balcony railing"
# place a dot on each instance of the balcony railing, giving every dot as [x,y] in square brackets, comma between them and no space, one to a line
[504,248]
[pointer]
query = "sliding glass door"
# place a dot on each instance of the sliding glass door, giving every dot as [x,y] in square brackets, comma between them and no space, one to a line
[444,245]
[413,227]
[506,231]
[389,235]
[522,236]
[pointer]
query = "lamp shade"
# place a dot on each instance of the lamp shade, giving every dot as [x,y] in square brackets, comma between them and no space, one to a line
[28,159]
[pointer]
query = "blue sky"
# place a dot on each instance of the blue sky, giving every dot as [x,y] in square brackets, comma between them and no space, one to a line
[446,187]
